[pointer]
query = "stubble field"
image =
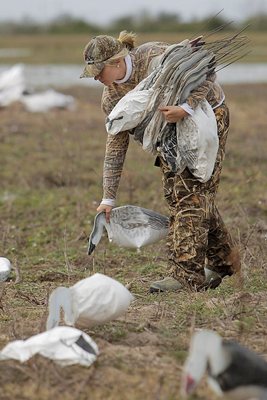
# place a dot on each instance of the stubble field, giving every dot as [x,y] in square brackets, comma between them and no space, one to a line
[51,183]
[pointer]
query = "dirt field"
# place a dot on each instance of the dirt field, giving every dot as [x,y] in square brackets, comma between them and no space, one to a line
[51,183]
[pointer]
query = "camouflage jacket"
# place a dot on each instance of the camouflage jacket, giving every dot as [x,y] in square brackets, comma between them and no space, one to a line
[116,146]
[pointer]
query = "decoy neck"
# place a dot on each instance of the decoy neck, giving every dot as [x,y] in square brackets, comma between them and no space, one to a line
[60,297]
[100,222]
[205,351]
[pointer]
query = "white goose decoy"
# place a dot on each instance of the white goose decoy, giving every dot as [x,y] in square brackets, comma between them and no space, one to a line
[234,371]
[5,268]
[130,226]
[12,85]
[65,345]
[47,100]
[92,301]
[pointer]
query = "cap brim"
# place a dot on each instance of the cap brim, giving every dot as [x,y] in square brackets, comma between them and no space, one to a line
[91,70]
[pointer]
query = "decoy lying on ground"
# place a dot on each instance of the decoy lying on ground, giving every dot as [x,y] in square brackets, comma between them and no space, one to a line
[47,100]
[92,301]
[13,88]
[5,268]
[130,226]
[234,371]
[63,344]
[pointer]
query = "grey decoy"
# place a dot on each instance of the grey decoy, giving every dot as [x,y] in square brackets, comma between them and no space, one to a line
[234,371]
[5,268]
[130,226]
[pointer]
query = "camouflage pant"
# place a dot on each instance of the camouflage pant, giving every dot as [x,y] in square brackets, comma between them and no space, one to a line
[197,232]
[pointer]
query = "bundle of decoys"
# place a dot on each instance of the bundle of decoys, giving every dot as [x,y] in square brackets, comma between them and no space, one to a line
[171,77]
[130,226]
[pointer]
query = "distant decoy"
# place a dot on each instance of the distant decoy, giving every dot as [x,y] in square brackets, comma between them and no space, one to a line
[5,268]
[13,88]
[92,301]
[12,85]
[130,226]
[234,371]
[47,100]
[63,344]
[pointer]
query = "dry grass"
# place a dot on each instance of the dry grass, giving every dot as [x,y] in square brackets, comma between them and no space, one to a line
[51,167]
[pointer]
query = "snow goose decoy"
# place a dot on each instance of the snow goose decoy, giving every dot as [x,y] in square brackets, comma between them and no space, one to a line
[172,76]
[234,371]
[5,268]
[12,85]
[65,345]
[92,301]
[130,226]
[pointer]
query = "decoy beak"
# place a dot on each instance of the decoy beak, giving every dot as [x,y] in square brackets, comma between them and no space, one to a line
[91,248]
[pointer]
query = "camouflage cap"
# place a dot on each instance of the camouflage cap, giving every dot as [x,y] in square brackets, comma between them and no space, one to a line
[97,52]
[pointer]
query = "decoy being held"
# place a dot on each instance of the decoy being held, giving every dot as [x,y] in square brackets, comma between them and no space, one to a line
[5,268]
[171,77]
[234,371]
[92,301]
[130,226]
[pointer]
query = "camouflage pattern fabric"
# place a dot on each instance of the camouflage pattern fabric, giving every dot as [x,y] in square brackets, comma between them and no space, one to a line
[197,232]
[97,51]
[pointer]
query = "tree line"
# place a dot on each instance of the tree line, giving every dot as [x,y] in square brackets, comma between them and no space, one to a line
[163,22]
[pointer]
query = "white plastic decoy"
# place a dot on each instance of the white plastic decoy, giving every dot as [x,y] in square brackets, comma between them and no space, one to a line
[92,301]
[234,371]
[5,268]
[63,344]
[130,226]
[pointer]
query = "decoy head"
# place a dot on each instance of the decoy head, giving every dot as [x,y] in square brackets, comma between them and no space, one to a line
[205,348]
[91,247]
[96,234]
[109,123]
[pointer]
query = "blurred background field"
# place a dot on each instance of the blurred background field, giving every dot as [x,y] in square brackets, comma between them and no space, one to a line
[51,183]
[68,49]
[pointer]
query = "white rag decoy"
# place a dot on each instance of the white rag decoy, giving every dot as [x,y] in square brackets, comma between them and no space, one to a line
[92,301]
[234,371]
[45,101]
[5,268]
[65,345]
[130,226]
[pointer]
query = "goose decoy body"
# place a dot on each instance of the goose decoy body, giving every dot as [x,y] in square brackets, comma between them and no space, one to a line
[130,226]
[63,344]
[92,301]
[5,268]
[234,371]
